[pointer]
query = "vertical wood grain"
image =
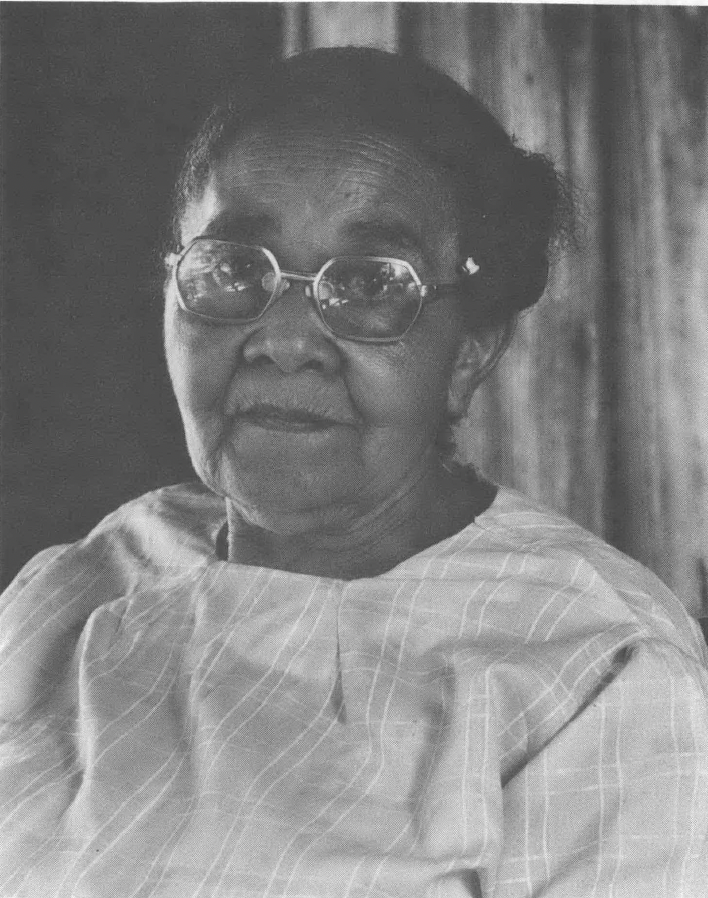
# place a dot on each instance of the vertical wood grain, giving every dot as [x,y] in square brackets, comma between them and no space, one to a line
[310,25]
[294,28]
[657,91]
[538,423]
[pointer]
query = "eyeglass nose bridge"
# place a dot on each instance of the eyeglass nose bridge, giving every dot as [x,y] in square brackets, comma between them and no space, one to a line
[286,277]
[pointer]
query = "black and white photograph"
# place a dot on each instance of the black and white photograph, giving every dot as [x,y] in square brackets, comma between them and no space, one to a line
[354,450]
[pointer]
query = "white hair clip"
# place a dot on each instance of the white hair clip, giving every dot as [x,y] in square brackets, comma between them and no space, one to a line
[470,266]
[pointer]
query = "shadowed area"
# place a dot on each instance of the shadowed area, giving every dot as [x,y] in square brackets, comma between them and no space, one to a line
[99,100]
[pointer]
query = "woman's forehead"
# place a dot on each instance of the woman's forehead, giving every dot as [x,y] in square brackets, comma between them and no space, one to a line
[331,132]
[350,175]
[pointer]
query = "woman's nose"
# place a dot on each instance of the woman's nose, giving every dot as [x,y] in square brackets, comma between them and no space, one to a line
[291,336]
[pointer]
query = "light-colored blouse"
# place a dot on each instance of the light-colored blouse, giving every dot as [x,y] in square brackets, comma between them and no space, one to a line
[519,710]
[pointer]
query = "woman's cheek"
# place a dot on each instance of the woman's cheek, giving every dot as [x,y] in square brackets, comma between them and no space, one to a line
[398,386]
[373,376]
[201,362]
[200,367]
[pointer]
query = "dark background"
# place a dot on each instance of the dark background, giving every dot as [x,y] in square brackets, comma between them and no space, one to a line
[98,102]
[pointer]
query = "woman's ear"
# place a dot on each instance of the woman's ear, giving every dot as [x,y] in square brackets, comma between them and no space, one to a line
[478,354]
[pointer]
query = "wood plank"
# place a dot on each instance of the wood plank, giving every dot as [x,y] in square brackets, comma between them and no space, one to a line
[657,71]
[538,422]
[309,25]
[294,28]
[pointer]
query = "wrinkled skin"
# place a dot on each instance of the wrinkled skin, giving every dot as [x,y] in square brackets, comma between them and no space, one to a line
[358,496]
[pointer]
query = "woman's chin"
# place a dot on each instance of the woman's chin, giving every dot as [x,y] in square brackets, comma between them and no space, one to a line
[290,499]
[296,515]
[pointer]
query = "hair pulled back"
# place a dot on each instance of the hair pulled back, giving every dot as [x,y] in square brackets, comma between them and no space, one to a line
[511,203]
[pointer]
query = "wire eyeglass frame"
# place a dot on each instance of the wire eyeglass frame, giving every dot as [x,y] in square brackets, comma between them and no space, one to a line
[427,293]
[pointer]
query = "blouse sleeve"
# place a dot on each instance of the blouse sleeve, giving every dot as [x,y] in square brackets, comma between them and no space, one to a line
[616,803]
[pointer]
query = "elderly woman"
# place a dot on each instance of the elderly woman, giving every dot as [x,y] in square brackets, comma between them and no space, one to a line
[342,665]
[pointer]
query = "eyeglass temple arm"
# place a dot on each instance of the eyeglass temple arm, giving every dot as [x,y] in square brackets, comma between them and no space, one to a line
[487,310]
[434,292]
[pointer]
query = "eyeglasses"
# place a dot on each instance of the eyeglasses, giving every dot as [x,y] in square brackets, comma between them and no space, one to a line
[370,299]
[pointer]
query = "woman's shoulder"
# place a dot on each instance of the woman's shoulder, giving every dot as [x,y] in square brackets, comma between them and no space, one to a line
[163,530]
[160,538]
[526,525]
[526,564]
[549,548]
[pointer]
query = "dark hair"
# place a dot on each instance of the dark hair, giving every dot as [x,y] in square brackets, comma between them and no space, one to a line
[514,202]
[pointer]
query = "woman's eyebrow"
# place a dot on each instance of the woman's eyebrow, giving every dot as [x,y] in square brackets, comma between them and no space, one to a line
[395,234]
[229,225]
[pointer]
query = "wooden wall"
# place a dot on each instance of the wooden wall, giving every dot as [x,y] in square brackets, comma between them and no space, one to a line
[601,406]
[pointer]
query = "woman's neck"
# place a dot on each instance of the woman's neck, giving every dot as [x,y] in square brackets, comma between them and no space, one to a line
[422,512]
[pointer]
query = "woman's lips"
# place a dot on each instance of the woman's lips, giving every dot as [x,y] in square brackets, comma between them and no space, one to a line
[273,417]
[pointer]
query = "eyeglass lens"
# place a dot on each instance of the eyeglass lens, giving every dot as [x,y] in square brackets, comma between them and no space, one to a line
[225,281]
[367,298]
[358,298]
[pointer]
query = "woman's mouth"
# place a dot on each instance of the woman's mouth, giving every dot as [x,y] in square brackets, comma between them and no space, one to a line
[273,417]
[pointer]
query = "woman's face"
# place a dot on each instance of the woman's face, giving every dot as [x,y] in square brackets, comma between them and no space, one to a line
[309,193]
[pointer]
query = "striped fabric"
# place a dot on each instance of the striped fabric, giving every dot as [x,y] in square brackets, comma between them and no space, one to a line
[517,711]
